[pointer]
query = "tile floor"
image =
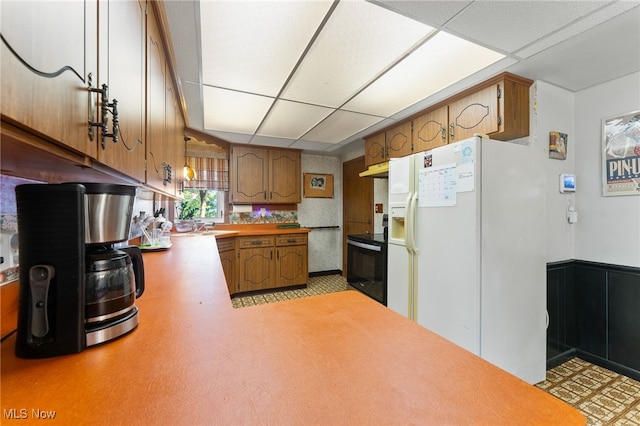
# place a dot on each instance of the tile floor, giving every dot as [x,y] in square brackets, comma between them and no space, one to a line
[602,396]
[317,285]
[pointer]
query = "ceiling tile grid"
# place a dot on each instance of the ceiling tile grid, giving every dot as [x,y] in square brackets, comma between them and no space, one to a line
[318,75]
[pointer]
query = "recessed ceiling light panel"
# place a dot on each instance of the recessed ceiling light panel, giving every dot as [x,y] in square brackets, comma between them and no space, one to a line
[231,111]
[440,62]
[357,43]
[253,46]
[292,120]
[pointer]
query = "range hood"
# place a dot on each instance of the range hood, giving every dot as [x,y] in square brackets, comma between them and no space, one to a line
[377,171]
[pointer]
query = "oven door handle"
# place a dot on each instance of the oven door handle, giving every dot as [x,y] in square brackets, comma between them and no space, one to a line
[364,245]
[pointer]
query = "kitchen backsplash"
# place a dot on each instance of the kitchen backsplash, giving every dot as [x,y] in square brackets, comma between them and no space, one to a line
[9,223]
[270,216]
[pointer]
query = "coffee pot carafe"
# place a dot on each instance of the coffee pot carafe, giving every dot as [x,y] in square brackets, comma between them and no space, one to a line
[76,288]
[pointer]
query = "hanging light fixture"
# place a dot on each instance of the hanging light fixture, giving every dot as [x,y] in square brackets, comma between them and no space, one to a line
[189,173]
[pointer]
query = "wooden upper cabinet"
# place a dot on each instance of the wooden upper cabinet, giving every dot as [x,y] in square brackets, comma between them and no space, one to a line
[284,176]
[375,149]
[398,141]
[393,143]
[499,110]
[121,66]
[475,113]
[164,123]
[430,130]
[45,79]
[249,174]
[265,175]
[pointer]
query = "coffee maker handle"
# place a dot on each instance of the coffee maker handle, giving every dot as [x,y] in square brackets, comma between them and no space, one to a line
[138,267]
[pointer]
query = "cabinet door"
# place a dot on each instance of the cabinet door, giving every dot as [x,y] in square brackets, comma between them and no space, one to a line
[174,139]
[249,175]
[430,130]
[291,265]
[227,258]
[156,120]
[256,268]
[475,113]
[284,176]
[45,79]
[121,67]
[398,141]
[374,150]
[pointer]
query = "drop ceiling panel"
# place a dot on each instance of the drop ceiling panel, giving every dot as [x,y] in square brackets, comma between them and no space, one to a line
[512,25]
[569,31]
[311,146]
[358,42]
[442,61]
[292,119]
[269,141]
[339,126]
[245,47]
[230,111]
[434,13]
[616,41]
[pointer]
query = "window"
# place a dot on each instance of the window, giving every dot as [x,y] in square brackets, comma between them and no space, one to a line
[204,197]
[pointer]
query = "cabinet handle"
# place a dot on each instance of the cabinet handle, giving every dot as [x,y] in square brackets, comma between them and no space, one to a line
[265,194]
[444,133]
[256,243]
[291,241]
[451,127]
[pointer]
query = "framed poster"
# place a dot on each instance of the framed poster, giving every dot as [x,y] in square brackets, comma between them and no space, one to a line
[621,154]
[318,185]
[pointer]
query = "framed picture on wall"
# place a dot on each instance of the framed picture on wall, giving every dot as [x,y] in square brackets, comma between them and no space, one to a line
[318,185]
[621,154]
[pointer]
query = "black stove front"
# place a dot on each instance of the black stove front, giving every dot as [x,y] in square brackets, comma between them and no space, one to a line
[367,265]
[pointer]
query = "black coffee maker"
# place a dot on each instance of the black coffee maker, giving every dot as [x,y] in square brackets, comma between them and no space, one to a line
[76,288]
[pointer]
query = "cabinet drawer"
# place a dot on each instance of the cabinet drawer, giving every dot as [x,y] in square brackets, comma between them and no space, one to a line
[252,242]
[291,239]
[225,244]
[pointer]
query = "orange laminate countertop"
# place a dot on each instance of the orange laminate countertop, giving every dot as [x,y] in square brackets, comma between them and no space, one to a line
[339,358]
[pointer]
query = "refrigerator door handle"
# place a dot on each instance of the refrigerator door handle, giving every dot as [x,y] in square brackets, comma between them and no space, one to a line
[411,215]
[407,228]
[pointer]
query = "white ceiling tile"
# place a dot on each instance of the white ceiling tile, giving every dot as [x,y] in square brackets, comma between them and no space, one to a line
[311,146]
[512,25]
[433,12]
[339,126]
[270,141]
[442,61]
[231,111]
[578,27]
[358,42]
[253,46]
[230,136]
[292,119]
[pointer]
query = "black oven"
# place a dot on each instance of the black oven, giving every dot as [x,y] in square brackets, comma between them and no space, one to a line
[367,265]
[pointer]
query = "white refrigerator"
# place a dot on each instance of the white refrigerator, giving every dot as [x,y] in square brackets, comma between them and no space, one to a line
[466,253]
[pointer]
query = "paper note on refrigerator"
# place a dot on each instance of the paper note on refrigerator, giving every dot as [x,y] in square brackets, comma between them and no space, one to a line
[466,177]
[438,186]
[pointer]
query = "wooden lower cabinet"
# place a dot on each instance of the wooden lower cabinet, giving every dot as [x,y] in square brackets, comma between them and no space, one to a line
[292,264]
[267,262]
[227,251]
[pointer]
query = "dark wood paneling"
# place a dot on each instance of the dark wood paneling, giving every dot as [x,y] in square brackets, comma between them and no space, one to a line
[593,312]
[624,319]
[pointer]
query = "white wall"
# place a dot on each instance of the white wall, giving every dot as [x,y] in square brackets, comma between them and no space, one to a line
[553,112]
[608,228]
[325,245]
